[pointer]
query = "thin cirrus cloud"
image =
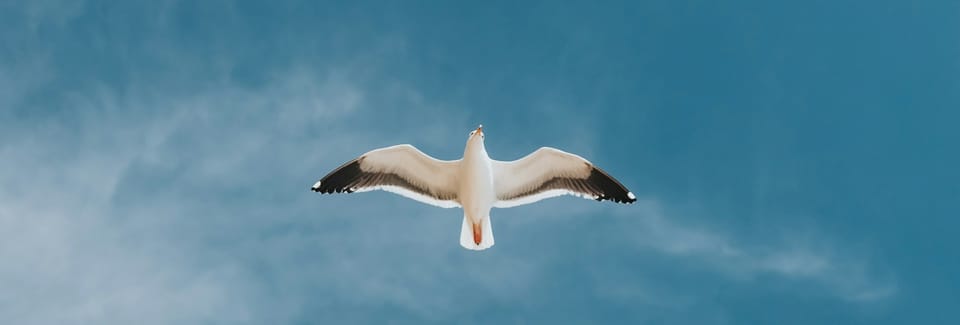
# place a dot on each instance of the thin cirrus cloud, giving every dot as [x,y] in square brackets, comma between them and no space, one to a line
[98,226]
[805,259]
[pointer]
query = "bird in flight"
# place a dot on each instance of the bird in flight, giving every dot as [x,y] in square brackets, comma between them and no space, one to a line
[475,182]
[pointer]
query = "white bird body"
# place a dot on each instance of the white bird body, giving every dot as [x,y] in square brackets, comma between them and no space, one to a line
[476,183]
[477,195]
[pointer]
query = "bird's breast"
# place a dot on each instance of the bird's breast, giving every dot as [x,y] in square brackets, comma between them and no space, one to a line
[476,187]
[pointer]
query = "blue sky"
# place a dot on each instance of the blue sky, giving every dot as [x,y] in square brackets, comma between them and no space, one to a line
[794,162]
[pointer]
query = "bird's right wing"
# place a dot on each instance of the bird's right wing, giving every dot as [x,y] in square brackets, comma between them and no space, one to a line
[550,172]
[400,169]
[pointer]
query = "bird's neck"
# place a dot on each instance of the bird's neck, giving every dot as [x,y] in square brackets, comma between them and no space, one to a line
[475,151]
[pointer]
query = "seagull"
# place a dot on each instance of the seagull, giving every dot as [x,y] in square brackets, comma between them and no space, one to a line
[475,182]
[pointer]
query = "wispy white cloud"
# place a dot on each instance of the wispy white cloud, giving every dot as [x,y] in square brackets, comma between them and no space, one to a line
[105,219]
[803,259]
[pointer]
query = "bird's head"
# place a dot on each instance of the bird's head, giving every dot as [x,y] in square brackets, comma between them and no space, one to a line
[476,136]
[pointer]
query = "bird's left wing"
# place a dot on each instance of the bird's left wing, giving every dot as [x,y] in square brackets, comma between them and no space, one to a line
[550,172]
[400,169]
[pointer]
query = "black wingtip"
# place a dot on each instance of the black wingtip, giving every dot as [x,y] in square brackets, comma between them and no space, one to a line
[630,198]
[339,180]
[612,189]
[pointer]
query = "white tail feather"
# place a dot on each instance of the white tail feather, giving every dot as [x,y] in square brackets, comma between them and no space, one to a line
[466,234]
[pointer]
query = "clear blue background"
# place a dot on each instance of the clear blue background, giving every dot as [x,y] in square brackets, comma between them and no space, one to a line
[795,161]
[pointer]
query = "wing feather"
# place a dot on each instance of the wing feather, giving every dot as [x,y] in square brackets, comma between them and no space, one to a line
[550,172]
[401,169]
